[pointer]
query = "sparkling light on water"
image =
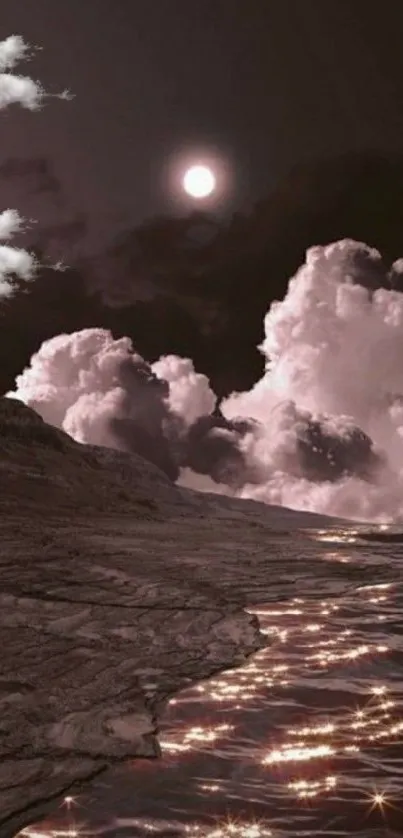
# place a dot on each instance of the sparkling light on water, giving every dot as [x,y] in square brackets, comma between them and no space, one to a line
[319,646]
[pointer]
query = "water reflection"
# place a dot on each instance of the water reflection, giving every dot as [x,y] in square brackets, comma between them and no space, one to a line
[184,741]
[304,739]
[231,828]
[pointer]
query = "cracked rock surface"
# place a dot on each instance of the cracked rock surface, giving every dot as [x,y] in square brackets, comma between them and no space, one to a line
[117,589]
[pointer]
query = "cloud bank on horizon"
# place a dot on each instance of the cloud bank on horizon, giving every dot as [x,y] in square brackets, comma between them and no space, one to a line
[322,430]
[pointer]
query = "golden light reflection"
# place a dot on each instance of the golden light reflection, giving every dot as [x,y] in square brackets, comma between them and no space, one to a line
[335,735]
[71,830]
[288,753]
[233,828]
[307,640]
[319,643]
[52,833]
[225,829]
[337,536]
[180,741]
[312,788]
[301,642]
[212,787]
[318,730]
[310,644]
[335,556]
[379,800]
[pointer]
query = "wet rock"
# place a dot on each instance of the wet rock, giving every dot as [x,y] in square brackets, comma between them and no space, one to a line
[117,589]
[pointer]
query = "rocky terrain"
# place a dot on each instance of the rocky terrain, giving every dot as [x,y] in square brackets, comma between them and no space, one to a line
[117,589]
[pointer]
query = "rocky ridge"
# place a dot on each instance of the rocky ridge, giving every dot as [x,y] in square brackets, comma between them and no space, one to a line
[118,589]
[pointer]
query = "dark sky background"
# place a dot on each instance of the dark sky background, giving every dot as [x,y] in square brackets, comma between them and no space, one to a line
[264,85]
[277,90]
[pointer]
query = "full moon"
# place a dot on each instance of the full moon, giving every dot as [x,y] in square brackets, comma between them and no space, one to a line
[199,181]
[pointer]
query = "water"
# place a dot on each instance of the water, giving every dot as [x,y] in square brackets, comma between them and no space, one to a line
[306,739]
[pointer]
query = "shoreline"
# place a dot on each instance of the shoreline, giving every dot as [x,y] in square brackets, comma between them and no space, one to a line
[132,612]
[234,634]
[118,589]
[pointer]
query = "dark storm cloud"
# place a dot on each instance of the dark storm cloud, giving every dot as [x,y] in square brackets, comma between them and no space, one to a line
[325,450]
[163,256]
[211,447]
[144,421]
[148,427]
[327,453]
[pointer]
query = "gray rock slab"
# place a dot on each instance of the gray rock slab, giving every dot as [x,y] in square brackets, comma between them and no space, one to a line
[117,589]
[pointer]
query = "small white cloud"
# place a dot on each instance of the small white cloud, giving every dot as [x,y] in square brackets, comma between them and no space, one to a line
[29,94]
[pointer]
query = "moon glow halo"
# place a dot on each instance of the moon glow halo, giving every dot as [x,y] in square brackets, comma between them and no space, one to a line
[199,181]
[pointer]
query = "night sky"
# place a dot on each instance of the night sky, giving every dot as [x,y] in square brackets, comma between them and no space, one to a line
[300,103]
[262,85]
